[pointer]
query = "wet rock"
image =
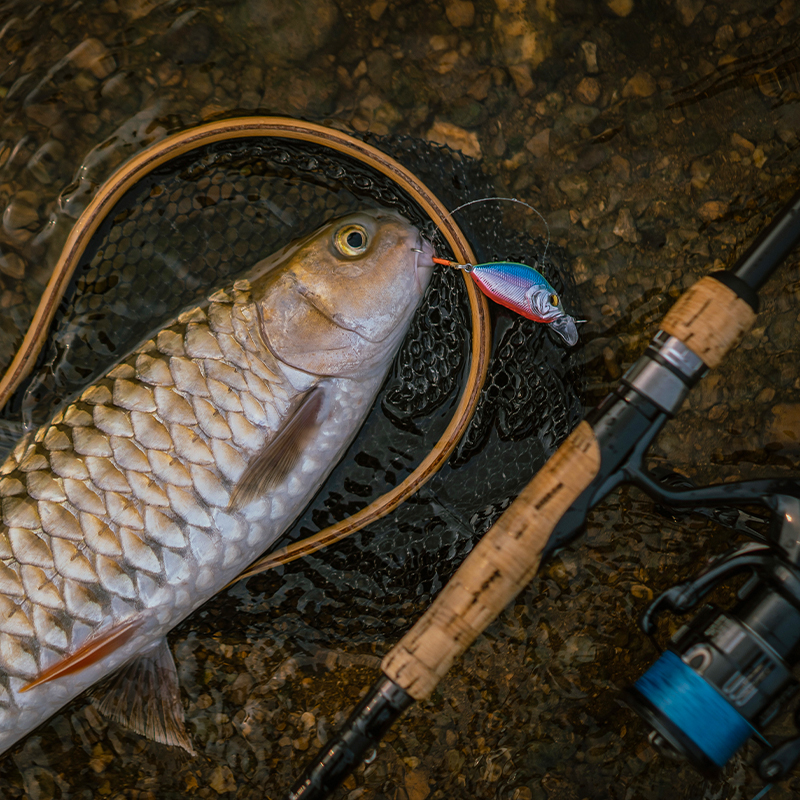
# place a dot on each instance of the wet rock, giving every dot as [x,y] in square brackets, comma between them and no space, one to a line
[376,9]
[688,10]
[724,37]
[587,91]
[12,266]
[222,780]
[460,13]
[136,9]
[284,30]
[620,7]
[784,428]
[189,40]
[93,55]
[575,186]
[580,114]
[523,80]
[741,143]
[447,133]
[701,172]
[642,126]
[589,52]
[713,209]
[625,227]
[539,145]
[46,163]
[521,34]
[19,214]
[641,84]
[468,113]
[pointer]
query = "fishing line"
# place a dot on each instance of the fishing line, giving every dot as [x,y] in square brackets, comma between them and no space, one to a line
[509,200]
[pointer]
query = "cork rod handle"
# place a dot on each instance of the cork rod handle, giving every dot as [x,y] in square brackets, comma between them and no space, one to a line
[709,319]
[498,568]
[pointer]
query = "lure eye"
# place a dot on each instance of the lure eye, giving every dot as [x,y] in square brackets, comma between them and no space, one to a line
[554,299]
[351,240]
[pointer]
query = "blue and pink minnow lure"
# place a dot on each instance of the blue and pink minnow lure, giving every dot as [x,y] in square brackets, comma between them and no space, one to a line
[522,289]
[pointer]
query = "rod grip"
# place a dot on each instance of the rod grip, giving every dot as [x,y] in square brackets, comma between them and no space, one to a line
[501,564]
[710,319]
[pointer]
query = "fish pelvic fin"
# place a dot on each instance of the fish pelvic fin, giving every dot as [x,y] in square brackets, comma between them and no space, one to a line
[91,652]
[144,697]
[280,455]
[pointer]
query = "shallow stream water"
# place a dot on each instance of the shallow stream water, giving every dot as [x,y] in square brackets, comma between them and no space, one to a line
[656,137]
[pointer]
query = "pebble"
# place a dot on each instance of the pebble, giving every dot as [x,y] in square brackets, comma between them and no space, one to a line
[588,90]
[622,8]
[589,52]
[625,227]
[376,9]
[19,214]
[574,186]
[713,209]
[523,80]
[47,162]
[93,55]
[453,136]
[12,265]
[724,37]
[641,84]
[460,13]
[539,145]
[688,10]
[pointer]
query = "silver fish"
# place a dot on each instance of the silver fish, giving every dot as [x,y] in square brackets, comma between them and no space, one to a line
[185,461]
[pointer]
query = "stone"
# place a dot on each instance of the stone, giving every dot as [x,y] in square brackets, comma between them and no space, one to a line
[641,84]
[222,780]
[622,8]
[625,227]
[713,209]
[460,13]
[376,9]
[587,91]
[784,428]
[447,133]
[285,31]
[575,186]
[521,75]
[724,37]
[12,265]
[742,143]
[93,55]
[539,145]
[45,164]
[589,52]
[19,214]
[688,10]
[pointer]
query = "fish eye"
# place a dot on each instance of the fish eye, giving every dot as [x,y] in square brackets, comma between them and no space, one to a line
[351,240]
[554,299]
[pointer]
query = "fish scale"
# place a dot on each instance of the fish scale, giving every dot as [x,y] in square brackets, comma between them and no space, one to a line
[118,508]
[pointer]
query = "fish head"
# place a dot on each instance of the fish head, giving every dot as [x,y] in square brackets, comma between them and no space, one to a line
[545,306]
[341,300]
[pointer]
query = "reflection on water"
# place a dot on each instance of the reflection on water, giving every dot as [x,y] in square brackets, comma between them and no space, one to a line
[656,137]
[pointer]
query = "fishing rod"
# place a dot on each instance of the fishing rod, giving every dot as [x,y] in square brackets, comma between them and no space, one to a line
[605,450]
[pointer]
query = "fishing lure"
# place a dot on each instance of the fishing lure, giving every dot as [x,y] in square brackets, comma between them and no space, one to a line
[522,289]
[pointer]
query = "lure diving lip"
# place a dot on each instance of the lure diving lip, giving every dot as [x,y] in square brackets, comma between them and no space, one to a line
[522,289]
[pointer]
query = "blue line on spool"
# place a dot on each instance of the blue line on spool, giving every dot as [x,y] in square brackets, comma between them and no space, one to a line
[694,706]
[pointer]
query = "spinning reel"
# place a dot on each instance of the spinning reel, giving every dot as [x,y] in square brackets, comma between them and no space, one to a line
[727,673]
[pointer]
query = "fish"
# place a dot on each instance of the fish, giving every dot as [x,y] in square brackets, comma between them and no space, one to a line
[168,475]
[524,290]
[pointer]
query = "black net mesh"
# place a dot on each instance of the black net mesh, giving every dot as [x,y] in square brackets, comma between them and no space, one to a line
[203,218]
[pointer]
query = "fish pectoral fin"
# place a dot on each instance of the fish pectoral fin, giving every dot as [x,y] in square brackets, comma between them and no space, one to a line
[91,652]
[144,697]
[279,456]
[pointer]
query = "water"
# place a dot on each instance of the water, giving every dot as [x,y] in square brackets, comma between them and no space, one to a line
[656,144]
